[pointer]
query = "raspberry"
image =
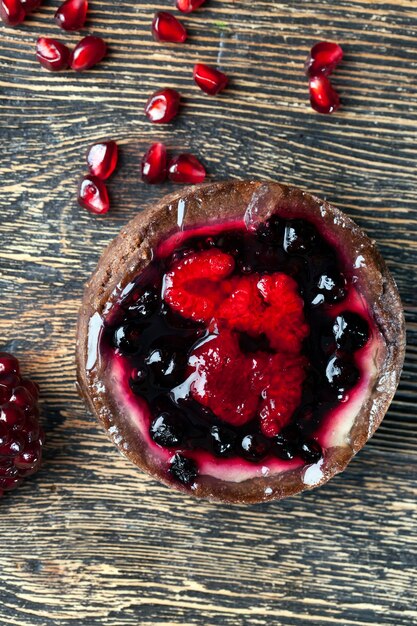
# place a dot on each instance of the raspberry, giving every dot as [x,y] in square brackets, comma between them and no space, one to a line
[283,321]
[194,286]
[237,387]
[21,437]
[221,373]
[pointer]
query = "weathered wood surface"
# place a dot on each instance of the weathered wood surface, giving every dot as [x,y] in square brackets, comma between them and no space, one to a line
[90,540]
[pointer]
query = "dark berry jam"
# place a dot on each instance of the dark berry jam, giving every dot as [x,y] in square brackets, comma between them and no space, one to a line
[240,344]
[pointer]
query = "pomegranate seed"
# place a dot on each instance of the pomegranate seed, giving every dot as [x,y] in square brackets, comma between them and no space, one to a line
[31,5]
[154,164]
[323,58]
[30,457]
[188,6]
[31,387]
[5,393]
[23,399]
[12,12]
[209,79]
[186,168]
[72,14]
[12,415]
[323,98]
[162,106]
[166,27]
[102,159]
[87,53]
[52,54]
[8,365]
[7,484]
[93,196]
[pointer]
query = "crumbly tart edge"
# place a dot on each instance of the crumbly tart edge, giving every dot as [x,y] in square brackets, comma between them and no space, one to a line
[130,252]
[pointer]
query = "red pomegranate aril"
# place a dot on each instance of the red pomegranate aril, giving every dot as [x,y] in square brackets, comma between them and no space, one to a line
[209,79]
[8,365]
[31,387]
[323,98]
[72,14]
[102,159]
[323,58]
[154,164]
[4,434]
[12,12]
[188,6]
[186,168]
[87,53]
[29,458]
[31,5]
[5,393]
[93,196]
[11,415]
[12,448]
[22,398]
[8,470]
[52,54]
[166,27]
[162,106]
[31,430]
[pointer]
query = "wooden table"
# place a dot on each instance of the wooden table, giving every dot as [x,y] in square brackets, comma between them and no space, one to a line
[90,540]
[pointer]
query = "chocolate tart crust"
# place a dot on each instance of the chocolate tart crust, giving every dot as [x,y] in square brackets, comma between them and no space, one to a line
[131,251]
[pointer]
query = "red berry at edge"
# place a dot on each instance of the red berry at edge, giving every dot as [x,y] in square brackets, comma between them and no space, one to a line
[154,164]
[12,12]
[162,106]
[186,168]
[102,159]
[187,6]
[93,195]
[72,14]
[31,5]
[166,27]
[87,53]
[209,79]
[323,98]
[52,54]
[323,58]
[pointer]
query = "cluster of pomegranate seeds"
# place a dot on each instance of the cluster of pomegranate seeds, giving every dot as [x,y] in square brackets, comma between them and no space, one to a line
[188,6]
[166,27]
[72,14]
[92,192]
[52,54]
[162,106]
[21,437]
[209,79]
[322,60]
[184,168]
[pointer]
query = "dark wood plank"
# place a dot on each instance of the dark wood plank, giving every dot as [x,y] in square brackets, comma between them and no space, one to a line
[90,540]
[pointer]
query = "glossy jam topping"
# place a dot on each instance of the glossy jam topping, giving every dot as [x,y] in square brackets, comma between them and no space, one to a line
[237,346]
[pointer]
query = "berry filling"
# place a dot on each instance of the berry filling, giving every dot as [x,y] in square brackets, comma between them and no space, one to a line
[237,349]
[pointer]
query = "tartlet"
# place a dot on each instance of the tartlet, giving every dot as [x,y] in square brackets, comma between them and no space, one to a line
[240,341]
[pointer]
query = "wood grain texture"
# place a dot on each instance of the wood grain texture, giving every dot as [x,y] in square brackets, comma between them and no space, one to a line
[90,540]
